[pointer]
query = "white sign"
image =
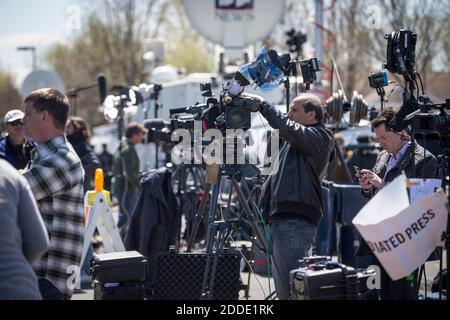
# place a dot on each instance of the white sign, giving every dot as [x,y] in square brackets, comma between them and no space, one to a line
[402,237]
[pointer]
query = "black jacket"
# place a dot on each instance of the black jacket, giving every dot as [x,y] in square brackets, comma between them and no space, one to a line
[89,160]
[17,156]
[155,221]
[303,161]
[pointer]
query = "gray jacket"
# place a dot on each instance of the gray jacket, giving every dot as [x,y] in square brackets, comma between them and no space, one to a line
[303,161]
[23,237]
[425,162]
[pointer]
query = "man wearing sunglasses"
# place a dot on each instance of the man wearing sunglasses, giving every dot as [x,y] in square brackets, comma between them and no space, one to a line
[15,148]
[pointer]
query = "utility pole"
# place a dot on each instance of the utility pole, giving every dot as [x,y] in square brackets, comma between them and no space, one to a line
[33,52]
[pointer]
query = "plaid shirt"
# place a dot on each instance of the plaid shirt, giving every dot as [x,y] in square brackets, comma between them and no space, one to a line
[56,178]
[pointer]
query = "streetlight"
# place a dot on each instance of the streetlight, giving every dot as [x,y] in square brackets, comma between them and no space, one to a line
[33,51]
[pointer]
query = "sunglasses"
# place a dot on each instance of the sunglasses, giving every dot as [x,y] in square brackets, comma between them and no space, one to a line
[15,123]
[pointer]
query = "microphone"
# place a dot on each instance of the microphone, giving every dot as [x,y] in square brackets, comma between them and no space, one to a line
[102,87]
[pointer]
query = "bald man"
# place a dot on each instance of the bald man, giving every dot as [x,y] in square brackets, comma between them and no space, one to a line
[296,204]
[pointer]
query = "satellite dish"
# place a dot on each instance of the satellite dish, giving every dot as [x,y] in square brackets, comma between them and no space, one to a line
[234,23]
[42,79]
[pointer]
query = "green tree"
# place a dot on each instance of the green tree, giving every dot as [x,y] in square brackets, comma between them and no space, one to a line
[190,55]
[10,97]
[360,48]
[186,50]
[110,42]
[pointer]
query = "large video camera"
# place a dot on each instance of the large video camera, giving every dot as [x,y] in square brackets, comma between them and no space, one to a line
[158,130]
[230,111]
[401,53]
[319,278]
[236,110]
[309,70]
[417,113]
[431,118]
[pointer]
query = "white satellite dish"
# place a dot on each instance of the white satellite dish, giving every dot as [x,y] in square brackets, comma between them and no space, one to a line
[42,79]
[234,24]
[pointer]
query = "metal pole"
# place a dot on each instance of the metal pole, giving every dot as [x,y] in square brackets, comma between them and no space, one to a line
[199,217]
[318,35]
[33,51]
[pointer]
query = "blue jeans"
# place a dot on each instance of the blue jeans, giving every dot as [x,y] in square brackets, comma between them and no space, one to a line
[127,204]
[290,242]
[86,267]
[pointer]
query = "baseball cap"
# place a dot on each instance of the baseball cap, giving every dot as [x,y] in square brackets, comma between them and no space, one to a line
[14,115]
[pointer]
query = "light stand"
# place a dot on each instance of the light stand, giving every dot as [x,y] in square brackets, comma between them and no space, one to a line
[446,235]
[155,96]
[290,69]
[73,94]
[382,93]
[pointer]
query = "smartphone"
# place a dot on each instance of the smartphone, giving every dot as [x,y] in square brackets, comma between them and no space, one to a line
[357,169]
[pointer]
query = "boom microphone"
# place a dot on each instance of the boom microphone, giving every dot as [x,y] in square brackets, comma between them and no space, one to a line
[102,87]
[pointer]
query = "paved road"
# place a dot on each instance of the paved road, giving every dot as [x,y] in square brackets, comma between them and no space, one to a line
[260,287]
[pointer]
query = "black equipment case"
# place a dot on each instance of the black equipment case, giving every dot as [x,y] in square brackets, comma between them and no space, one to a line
[180,276]
[119,291]
[324,281]
[118,267]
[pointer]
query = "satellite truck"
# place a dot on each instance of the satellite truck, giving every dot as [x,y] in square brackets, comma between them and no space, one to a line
[234,27]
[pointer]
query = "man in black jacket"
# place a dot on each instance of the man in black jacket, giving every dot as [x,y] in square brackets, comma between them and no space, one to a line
[396,157]
[15,148]
[296,204]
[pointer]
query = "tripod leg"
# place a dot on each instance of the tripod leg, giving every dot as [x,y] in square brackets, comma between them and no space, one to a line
[199,217]
[257,229]
[212,228]
[251,218]
[181,192]
[219,245]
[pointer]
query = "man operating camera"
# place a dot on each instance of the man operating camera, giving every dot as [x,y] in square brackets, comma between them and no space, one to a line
[296,204]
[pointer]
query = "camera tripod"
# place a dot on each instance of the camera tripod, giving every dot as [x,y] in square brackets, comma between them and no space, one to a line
[445,165]
[446,235]
[444,168]
[220,231]
[185,191]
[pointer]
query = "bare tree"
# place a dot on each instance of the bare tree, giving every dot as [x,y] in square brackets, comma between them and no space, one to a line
[186,49]
[9,94]
[349,44]
[359,48]
[428,18]
[112,42]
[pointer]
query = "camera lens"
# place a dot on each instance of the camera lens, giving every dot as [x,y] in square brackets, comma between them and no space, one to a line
[236,118]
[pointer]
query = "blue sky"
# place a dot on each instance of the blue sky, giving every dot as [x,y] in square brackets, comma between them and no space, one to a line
[31,23]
